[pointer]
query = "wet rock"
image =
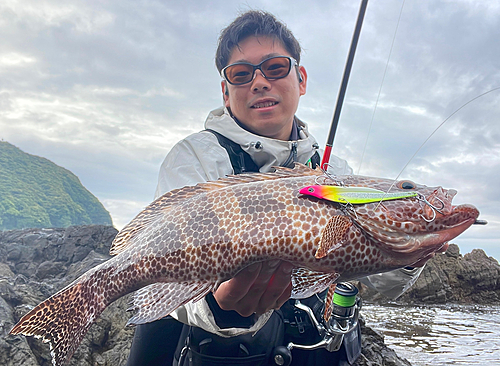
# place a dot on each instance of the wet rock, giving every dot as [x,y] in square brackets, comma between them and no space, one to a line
[375,352]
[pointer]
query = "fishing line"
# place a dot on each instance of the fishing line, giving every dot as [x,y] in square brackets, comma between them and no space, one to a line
[437,128]
[432,134]
[380,89]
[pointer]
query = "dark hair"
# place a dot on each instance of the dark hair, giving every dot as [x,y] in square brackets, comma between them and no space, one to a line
[254,23]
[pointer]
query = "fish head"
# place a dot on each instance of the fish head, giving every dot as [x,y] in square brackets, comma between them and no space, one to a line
[415,226]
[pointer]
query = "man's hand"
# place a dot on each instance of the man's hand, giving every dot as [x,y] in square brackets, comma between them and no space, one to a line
[256,289]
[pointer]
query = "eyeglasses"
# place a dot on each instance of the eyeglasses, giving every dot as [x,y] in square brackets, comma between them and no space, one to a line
[272,68]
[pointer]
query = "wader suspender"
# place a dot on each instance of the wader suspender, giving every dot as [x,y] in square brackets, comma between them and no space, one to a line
[241,161]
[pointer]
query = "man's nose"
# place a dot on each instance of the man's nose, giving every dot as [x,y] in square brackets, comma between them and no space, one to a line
[259,82]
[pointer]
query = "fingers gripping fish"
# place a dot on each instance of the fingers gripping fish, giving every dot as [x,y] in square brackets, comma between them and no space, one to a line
[190,239]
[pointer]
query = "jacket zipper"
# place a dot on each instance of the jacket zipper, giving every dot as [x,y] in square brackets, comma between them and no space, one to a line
[292,157]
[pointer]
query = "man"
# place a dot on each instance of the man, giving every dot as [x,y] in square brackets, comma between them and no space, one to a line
[259,61]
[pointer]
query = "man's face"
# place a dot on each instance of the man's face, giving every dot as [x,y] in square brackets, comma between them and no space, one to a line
[264,107]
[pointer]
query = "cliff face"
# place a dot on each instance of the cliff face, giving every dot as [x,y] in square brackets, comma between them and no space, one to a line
[36,263]
[34,192]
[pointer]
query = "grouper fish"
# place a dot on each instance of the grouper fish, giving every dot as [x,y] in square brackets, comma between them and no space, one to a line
[188,241]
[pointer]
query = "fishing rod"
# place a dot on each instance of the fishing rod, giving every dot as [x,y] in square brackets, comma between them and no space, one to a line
[343,86]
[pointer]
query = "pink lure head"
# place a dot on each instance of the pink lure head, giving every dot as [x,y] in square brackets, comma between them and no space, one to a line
[315,191]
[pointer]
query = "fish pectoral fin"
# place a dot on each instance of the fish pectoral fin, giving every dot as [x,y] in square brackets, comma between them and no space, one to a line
[329,302]
[158,300]
[333,234]
[306,283]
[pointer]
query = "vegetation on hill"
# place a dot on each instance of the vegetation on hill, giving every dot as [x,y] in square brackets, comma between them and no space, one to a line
[34,192]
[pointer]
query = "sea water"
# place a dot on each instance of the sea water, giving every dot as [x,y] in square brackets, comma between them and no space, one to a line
[439,335]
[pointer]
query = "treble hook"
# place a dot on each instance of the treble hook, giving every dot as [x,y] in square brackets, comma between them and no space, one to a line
[422,198]
[330,176]
[442,205]
[350,207]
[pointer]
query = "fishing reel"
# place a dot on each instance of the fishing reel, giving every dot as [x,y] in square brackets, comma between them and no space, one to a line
[343,320]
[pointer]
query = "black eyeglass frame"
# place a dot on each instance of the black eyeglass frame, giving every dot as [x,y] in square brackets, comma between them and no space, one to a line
[292,63]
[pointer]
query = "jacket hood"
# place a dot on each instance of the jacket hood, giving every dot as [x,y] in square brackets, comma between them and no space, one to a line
[265,151]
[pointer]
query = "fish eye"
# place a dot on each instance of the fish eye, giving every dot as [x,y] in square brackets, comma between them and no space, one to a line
[311,189]
[406,184]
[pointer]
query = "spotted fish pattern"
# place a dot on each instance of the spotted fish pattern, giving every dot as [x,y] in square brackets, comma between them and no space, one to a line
[189,240]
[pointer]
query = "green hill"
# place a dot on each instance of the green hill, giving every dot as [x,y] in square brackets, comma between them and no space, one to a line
[34,192]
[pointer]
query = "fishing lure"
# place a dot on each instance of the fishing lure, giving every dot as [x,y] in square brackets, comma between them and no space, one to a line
[353,195]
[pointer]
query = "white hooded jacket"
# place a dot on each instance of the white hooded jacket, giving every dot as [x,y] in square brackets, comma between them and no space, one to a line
[200,158]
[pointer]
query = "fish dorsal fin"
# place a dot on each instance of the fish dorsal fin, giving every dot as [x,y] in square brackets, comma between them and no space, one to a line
[158,207]
[333,234]
[306,283]
[279,173]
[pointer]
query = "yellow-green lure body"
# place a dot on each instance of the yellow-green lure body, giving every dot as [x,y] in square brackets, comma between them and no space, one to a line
[353,195]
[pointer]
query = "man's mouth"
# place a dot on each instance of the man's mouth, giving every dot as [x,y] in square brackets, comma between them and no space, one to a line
[264,104]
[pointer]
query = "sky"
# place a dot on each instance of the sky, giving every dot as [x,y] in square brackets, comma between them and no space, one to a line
[106,88]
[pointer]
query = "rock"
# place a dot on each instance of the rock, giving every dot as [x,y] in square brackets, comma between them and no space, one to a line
[49,269]
[5,271]
[375,352]
[452,278]
[13,350]
[453,251]
[36,263]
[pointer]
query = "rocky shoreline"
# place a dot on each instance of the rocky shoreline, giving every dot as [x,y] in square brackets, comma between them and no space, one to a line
[451,278]
[35,263]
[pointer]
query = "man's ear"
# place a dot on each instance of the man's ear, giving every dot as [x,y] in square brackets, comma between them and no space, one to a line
[302,76]
[225,93]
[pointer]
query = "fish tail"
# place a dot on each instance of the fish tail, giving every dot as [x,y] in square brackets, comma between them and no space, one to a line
[63,320]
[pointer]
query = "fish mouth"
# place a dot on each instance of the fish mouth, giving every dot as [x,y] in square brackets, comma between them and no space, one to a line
[449,227]
[430,236]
